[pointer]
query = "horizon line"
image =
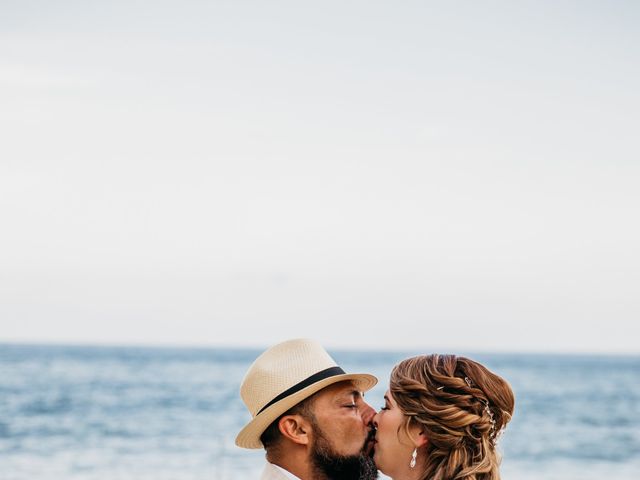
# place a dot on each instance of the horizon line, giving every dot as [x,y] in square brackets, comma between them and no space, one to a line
[262,347]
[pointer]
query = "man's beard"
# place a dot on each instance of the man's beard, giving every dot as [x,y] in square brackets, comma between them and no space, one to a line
[333,466]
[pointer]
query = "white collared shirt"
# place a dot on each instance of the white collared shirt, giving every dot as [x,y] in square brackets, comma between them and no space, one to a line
[287,473]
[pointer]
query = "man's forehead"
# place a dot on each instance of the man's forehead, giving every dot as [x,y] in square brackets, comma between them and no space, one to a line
[342,389]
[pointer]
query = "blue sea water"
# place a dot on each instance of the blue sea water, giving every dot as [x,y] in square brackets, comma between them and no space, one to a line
[149,413]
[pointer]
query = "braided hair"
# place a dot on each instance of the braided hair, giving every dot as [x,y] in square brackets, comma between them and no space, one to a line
[461,406]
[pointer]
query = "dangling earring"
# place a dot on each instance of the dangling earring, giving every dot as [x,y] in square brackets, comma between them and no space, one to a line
[412,463]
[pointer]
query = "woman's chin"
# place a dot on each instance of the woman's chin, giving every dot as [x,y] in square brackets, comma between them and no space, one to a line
[376,460]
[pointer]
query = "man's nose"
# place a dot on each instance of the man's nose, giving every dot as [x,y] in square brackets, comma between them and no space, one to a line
[367,412]
[374,420]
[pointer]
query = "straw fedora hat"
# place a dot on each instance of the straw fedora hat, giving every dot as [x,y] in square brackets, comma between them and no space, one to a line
[282,377]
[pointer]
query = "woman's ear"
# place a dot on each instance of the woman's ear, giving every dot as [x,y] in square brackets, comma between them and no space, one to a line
[295,428]
[422,439]
[418,437]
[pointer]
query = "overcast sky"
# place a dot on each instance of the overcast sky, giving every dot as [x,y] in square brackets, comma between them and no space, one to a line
[436,175]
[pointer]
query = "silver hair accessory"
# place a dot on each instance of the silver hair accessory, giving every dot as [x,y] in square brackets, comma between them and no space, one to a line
[440,387]
[492,420]
[493,434]
[412,463]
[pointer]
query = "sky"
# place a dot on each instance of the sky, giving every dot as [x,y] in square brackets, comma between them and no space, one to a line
[393,175]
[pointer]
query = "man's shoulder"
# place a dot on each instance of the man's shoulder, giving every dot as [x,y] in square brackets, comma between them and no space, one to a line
[273,472]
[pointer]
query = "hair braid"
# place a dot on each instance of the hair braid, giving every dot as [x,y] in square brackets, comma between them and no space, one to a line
[461,406]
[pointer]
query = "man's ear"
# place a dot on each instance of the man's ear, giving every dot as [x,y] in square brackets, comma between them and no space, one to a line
[295,428]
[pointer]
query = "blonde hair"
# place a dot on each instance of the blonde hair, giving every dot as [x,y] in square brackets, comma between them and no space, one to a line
[461,406]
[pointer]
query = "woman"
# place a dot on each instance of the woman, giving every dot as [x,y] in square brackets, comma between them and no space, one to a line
[441,420]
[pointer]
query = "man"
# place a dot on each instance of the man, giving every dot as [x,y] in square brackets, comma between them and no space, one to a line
[308,414]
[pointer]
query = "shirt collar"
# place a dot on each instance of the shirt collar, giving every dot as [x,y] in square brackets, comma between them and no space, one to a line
[286,473]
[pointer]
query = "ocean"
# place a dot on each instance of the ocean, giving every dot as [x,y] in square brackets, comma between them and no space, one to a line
[120,413]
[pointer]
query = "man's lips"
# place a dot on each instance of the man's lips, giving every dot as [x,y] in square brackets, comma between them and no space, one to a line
[370,443]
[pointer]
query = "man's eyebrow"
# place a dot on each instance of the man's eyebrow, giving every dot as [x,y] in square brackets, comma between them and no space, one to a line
[353,395]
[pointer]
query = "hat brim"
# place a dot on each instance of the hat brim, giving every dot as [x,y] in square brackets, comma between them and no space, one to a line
[249,436]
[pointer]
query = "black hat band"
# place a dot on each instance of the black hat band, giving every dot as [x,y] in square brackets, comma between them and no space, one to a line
[315,378]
